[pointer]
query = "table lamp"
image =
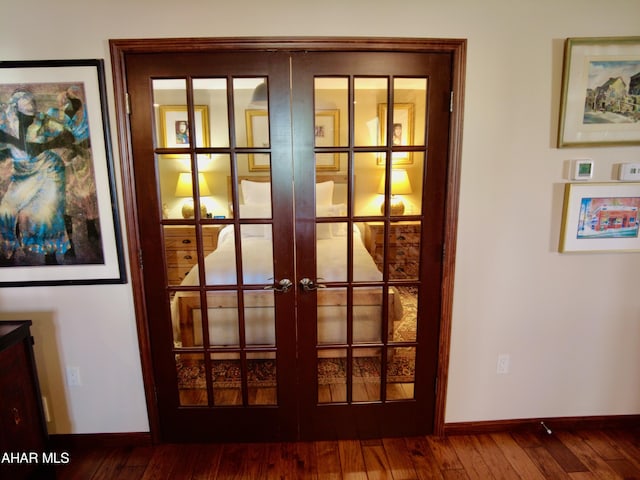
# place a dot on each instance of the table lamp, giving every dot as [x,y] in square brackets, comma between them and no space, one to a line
[400,185]
[184,188]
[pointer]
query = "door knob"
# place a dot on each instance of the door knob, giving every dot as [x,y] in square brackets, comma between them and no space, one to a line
[308,285]
[283,286]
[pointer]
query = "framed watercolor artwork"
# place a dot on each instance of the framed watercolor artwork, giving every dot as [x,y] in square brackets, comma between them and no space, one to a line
[600,92]
[600,217]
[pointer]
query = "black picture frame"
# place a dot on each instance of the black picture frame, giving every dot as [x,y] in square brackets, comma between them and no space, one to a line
[59,221]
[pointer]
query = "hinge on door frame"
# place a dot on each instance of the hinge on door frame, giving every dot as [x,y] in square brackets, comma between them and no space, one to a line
[140,264]
[451,102]
[127,103]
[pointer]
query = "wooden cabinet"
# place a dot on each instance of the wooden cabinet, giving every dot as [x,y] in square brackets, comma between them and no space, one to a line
[181,248]
[22,425]
[403,249]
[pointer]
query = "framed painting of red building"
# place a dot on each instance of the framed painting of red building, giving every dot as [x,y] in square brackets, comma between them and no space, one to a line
[601,217]
[600,92]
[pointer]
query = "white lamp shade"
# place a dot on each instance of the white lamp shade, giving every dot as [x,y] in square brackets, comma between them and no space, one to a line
[400,184]
[184,188]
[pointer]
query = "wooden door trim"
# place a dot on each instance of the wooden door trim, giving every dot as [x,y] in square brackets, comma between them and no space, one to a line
[121,48]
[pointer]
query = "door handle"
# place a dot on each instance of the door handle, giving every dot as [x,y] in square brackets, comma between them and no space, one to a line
[283,286]
[309,285]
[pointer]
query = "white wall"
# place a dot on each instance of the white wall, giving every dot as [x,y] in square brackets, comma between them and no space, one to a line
[571,323]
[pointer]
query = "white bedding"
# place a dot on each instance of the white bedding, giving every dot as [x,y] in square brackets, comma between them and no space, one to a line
[220,268]
[220,265]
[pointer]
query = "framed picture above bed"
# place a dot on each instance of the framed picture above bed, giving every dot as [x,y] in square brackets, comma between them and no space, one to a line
[600,92]
[403,118]
[258,136]
[59,223]
[174,126]
[326,134]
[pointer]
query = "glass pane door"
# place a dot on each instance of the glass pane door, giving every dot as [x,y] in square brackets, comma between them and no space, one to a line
[360,327]
[218,240]
[219,303]
[359,318]
[290,219]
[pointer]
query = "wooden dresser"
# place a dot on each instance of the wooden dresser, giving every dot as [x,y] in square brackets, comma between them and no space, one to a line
[23,428]
[404,247]
[181,248]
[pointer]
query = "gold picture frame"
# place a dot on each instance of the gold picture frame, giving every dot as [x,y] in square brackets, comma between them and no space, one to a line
[403,118]
[600,217]
[258,136]
[327,134]
[600,87]
[174,126]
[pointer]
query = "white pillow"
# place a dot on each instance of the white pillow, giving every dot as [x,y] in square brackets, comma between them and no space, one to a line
[255,231]
[325,211]
[256,192]
[323,231]
[252,210]
[260,192]
[252,231]
[324,193]
[337,210]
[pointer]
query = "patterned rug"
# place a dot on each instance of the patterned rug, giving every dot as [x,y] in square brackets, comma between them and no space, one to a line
[404,330]
[262,372]
[226,373]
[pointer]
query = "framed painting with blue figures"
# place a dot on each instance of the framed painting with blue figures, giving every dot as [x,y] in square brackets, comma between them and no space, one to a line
[600,92]
[59,222]
[601,217]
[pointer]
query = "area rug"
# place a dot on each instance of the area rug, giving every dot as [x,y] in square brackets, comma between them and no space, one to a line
[365,370]
[227,373]
[404,330]
[262,372]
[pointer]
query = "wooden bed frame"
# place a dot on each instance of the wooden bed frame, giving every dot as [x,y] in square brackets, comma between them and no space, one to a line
[188,303]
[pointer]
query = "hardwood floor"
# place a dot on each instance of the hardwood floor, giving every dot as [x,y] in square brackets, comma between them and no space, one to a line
[575,455]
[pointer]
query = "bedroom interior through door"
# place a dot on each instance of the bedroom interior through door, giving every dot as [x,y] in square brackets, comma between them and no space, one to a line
[290,285]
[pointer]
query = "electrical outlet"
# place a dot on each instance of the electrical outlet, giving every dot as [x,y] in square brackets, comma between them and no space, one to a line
[503,363]
[73,377]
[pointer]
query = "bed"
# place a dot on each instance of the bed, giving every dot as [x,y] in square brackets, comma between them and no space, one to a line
[259,317]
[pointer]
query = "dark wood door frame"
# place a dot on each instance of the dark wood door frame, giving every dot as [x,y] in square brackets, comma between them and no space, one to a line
[121,49]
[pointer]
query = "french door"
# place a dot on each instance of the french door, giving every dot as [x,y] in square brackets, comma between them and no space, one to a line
[290,214]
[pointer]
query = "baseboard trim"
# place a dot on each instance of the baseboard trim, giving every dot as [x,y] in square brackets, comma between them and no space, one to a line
[553,423]
[93,440]
[142,439]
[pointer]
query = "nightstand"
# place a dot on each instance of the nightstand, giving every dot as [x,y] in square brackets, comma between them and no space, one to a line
[181,248]
[404,247]
[22,424]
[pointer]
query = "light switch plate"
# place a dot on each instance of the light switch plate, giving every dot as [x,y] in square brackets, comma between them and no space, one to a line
[629,172]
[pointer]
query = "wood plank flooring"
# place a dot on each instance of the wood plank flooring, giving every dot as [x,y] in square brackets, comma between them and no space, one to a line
[529,455]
